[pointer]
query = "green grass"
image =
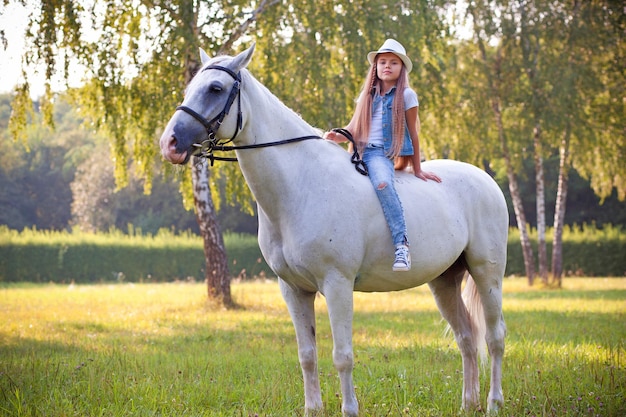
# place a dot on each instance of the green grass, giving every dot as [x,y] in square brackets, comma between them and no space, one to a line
[164,350]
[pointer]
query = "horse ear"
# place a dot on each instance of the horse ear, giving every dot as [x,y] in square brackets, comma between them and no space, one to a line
[204,58]
[243,59]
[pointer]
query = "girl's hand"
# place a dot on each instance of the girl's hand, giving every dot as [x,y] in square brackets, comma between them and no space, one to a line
[335,136]
[425,175]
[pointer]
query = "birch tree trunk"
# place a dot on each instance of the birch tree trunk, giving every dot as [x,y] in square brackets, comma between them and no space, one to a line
[531,57]
[559,211]
[216,273]
[569,74]
[542,253]
[518,207]
[520,217]
[492,78]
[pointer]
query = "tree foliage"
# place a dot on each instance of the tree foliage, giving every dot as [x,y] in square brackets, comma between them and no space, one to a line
[133,56]
[313,53]
[541,70]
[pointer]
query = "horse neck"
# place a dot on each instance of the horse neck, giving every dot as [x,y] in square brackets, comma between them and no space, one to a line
[271,172]
[268,118]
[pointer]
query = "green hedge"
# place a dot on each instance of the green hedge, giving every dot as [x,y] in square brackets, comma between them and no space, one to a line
[45,256]
[587,251]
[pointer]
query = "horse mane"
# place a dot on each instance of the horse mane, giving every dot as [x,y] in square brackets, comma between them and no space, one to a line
[272,98]
[264,93]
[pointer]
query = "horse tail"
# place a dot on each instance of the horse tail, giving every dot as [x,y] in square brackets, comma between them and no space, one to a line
[474,305]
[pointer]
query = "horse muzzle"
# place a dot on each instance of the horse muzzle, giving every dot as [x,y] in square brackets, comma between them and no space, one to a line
[178,138]
[170,152]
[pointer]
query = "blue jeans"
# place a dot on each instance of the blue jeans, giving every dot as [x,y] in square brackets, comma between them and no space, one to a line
[381,174]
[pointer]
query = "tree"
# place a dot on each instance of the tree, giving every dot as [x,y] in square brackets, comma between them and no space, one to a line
[35,171]
[93,190]
[553,78]
[500,74]
[127,49]
[588,87]
[531,20]
[316,60]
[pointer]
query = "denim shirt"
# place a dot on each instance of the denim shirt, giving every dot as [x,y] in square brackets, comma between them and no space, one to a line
[407,145]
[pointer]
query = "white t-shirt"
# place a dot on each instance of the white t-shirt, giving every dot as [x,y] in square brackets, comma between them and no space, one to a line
[376,127]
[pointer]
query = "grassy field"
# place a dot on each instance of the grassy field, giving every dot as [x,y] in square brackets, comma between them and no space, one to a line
[164,350]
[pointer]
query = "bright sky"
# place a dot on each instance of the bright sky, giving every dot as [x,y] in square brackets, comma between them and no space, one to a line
[13,22]
[13,19]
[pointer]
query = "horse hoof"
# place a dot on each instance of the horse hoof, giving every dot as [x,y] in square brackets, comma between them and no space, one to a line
[313,412]
[493,406]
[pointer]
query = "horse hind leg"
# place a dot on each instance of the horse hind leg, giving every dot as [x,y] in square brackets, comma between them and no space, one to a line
[301,306]
[488,294]
[447,292]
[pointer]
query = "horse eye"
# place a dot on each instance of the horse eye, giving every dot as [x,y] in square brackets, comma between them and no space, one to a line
[215,88]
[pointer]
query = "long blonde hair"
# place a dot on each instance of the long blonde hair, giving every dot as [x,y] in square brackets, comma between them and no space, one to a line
[363,114]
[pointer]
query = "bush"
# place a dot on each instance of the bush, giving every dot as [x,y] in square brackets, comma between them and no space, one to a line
[587,251]
[51,256]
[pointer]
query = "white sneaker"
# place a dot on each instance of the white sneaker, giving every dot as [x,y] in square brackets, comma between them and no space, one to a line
[403,259]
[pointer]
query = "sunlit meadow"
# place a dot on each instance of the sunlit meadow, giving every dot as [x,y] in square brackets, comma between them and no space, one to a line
[164,350]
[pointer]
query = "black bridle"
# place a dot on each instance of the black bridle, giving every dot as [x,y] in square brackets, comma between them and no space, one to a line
[213,125]
[206,148]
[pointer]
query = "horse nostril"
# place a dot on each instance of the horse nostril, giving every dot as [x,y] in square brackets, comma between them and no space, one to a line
[173,142]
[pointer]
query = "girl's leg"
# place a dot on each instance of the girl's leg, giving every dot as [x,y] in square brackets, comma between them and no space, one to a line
[381,174]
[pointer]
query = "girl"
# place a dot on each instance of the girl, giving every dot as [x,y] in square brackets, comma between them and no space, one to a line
[385,126]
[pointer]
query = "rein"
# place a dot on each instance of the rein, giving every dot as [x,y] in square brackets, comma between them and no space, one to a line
[359,164]
[206,148]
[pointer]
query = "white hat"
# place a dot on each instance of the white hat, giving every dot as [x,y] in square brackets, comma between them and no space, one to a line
[395,47]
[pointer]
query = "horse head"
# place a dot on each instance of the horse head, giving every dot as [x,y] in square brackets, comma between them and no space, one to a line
[205,115]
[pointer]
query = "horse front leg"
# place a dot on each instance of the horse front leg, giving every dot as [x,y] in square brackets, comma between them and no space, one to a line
[339,297]
[301,306]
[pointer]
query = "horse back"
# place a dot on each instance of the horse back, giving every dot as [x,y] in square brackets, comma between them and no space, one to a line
[464,215]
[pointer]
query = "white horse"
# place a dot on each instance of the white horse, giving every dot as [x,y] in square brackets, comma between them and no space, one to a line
[321,227]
